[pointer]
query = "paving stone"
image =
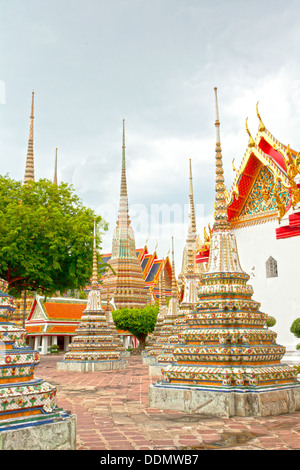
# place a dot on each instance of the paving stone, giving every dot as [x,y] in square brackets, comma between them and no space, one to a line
[113,413]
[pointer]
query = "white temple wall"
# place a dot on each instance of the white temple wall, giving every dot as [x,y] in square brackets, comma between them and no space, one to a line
[279,296]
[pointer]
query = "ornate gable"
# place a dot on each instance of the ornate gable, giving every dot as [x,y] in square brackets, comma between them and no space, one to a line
[261,201]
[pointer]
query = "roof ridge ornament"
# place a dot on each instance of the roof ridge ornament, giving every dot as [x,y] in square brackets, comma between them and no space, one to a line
[261,124]
[251,141]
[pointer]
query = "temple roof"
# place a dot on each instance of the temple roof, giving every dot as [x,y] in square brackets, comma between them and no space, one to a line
[263,160]
[56,315]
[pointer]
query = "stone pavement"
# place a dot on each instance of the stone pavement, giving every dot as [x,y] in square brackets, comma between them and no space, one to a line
[113,414]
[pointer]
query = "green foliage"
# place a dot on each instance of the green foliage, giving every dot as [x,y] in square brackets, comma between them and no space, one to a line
[138,321]
[54,349]
[297,367]
[46,237]
[82,295]
[271,321]
[298,346]
[295,328]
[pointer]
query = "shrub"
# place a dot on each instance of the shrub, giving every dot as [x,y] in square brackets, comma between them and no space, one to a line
[54,349]
[271,321]
[295,328]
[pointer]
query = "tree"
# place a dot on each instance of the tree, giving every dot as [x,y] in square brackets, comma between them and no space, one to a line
[271,321]
[138,321]
[46,237]
[295,327]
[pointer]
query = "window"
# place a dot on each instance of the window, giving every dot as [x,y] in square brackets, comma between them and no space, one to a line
[271,267]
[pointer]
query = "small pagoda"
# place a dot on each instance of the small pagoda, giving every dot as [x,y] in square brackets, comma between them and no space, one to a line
[228,362]
[96,345]
[191,270]
[162,351]
[29,416]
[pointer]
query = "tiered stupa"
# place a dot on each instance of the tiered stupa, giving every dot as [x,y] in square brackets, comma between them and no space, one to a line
[126,286]
[228,362]
[96,345]
[162,350]
[29,417]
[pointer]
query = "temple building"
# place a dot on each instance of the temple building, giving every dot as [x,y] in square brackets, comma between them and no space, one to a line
[263,210]
[227,363]
[126,284]
[96,344]
[53,321]
[29,416]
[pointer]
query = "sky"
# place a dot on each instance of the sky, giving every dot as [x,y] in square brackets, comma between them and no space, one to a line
[93,63]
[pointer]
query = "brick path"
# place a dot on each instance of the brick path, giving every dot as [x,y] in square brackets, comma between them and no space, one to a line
[113,414]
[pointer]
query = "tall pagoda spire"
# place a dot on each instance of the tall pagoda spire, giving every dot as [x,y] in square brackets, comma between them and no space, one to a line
[123,216]
[173,303]
[95,271]
[223,255]
[220,215]
[126,285]
[29,169]
[191,270]
[192,230]
[55,168]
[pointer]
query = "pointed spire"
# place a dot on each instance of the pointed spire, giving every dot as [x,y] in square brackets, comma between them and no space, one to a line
[220,216]
[95,271]
[163,284]
[223,254]
[55,169]
[160,292]
[123,217]
[29,169]
[174,287]
[192,230]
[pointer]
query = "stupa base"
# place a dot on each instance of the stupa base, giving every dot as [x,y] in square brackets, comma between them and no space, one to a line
[155,369]
[55,431]
[263,401]
[91,366]
[148,360]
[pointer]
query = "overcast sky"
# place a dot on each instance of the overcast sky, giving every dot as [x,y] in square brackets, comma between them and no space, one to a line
[93,63]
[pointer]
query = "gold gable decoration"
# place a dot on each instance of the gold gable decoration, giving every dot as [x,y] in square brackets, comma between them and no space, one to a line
[261,201]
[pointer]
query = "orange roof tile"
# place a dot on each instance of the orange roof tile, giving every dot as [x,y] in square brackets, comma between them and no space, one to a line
[62,329]
[65,310]
[34,329]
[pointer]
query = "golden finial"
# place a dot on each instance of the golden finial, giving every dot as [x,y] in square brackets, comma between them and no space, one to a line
[206,237]
[279,200]
[261,124]
[251,141]
[297,161]
[234,168]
